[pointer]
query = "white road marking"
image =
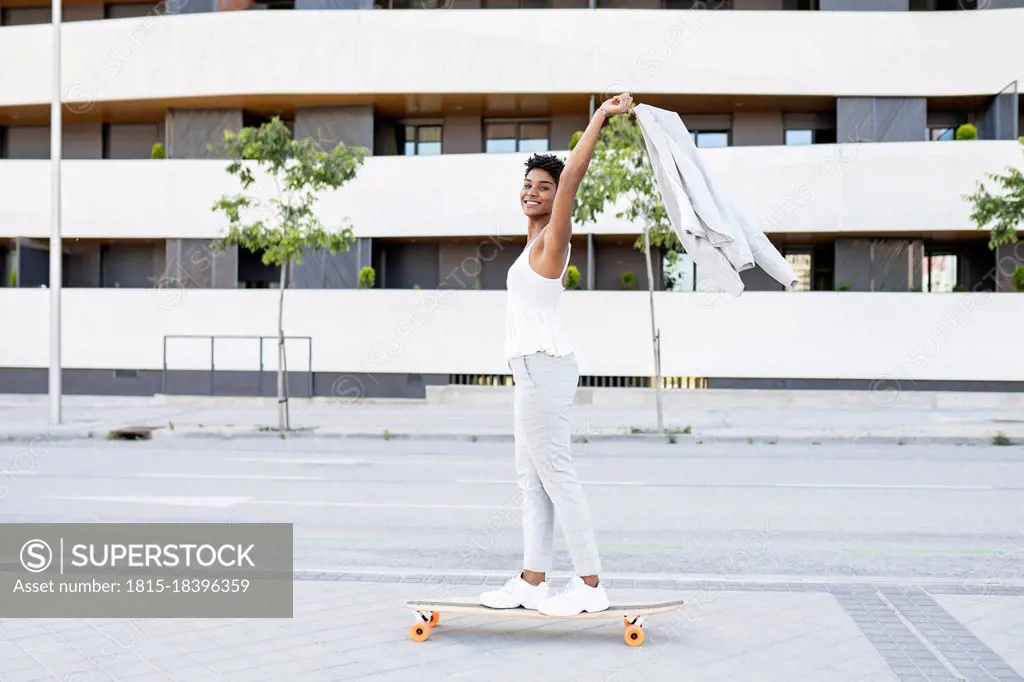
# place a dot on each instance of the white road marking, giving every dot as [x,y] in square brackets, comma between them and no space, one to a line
[491,482]
[368,505]
[218,502]
[232,477]
[340,461]
[823,486]
[885,486]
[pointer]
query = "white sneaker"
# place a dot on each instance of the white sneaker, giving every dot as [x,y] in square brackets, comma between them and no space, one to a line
[516,592]
[574,599]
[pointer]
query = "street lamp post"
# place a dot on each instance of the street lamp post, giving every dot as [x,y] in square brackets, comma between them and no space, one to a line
[56,248]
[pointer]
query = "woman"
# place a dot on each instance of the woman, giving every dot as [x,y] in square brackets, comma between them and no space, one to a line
[545,374]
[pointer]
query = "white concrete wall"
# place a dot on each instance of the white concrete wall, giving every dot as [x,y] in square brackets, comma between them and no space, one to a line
[907,336]
[875,188]
[788,53]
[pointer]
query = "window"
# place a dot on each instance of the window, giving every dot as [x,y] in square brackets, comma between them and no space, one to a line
[804,136]
[516,136]
[706,139]
[422,140]
[936,134]
[939,271]
[802,264]
[679,272]
[799,137]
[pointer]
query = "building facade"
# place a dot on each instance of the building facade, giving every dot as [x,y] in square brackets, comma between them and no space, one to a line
[833,123]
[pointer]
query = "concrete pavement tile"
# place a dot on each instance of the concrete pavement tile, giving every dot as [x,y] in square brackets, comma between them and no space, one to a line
[170,667]
[290,671]
[352,671]
[34,675]
[14,657]
[996,621]
[183,673]
[65,670]
[881,676]
[137,669]
[264,656]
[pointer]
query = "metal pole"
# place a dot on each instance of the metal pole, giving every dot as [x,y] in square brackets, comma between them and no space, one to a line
[56,248]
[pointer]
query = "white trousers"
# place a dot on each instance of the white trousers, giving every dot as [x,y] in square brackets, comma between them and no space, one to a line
[544,389]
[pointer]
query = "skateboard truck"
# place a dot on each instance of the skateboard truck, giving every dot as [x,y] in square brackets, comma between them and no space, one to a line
[634,630]
[421,630]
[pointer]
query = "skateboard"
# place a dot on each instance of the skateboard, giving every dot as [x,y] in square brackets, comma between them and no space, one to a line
[428,613]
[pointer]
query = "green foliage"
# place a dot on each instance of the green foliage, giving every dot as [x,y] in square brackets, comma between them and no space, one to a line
[1004,213]
[572,277]
[158,151]
[574,140]
[286,224]
[12,278]
[844,286]
[1018,278]
[367,277]
[967,132]
[627,280]
[300,171]
[620,169]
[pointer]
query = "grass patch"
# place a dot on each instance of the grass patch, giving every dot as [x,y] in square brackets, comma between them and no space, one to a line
[1001,439]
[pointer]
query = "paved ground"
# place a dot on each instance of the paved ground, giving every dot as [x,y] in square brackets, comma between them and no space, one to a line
[741,416]
[808,562]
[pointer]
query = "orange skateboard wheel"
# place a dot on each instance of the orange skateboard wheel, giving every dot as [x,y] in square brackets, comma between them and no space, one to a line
[434,618]
[634,635]
[419,632]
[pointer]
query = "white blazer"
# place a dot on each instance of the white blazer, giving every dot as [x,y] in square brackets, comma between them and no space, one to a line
[721,242]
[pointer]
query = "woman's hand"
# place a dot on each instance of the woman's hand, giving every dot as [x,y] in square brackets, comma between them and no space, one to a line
[617,105]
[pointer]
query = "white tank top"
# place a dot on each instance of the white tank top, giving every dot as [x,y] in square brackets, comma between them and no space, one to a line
[532,321]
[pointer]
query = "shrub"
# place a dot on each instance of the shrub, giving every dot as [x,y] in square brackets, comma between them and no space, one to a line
[158,151]
[967,132]
[628,280]
[572,277]
[367,277]
[1018,278]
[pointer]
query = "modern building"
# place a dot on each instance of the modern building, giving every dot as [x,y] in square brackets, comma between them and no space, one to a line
[833,123]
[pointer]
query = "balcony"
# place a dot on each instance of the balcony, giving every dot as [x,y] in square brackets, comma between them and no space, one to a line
[885,188]
[204,60]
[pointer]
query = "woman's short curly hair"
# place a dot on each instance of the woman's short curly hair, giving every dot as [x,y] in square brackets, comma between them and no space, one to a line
[548,162]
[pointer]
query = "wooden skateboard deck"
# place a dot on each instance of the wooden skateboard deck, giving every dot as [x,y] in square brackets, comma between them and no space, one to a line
[428,613]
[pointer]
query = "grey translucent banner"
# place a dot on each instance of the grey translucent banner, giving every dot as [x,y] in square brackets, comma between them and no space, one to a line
[146,570]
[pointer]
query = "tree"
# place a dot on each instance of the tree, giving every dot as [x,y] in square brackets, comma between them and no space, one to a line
[285,224]
[620,169]
[1004,213]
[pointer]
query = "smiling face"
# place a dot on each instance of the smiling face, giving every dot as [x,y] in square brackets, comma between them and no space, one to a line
[538,193]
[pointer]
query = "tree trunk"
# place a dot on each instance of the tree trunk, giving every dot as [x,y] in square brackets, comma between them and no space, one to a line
[283,423]
[655,335]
